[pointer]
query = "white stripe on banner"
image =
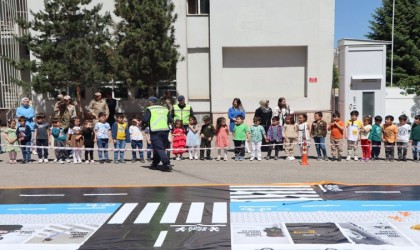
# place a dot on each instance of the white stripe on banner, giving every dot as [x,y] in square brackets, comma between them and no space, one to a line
[160,239]
[110,194]
[196,212]
[171,213]
[219,212]
[123,213]
[272,192]
[42,195]
[268,187]
[285,199]
[147,213]
[290,196]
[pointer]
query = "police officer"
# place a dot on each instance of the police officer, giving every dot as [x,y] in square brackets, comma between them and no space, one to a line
[158,118]
[182,112]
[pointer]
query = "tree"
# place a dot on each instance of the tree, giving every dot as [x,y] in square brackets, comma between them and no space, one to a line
[72,45]
[406,41]
[145,40]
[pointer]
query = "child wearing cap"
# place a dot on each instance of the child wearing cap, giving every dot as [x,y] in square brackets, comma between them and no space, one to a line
[42,136]
[207,134]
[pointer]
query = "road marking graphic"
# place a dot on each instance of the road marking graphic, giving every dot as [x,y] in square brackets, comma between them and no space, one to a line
[110,194]
[123,213]
[196,212]
[272,193]
[160,239]
[171,213]
[147,213]
[219,212]
[42,195]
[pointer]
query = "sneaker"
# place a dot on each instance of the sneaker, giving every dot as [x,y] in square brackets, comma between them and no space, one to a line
[68,161]
[133,160]
[142,161]
[259,159]
[41,160]
[122,161]
[34,152]
[202,158]
[101,161]
[292,158]
[218,158]
[108,161]
[348,158]
[339,159]
[74,161]
[391,159]
[367,159]
[236,158]
[55,160]
[333,158]
[267,157]
[288,158]
[356,158]
[116,162]
[178,158]
[251,159]
[191,158]
[87,161]
[209,158]
[276,158]
[225,158]
[325,158]
[149,159]
[46,160]
[23,162]
[196,158]
[241,158]
[61,161]
[318,158]
[92,161]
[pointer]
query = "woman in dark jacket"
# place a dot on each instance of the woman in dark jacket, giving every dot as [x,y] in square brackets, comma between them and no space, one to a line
[265,113]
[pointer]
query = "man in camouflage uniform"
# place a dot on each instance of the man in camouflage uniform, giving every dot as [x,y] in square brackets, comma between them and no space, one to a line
[97,106]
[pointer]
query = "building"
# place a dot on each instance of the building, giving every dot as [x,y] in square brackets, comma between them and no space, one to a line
[254,50]
[251,49]
[362,69]
[10,93]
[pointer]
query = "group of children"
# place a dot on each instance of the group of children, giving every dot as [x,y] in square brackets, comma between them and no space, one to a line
[197,139]
[353,131]
[68,142]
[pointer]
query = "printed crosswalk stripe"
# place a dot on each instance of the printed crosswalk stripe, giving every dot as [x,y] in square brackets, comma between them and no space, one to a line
[160,239]
[171,213]
[272,193]
[123,213]
[219,212]
[147,213]
[196,212]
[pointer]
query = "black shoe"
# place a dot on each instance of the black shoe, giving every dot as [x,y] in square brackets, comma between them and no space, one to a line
[167,168]
[133,160]
[142,161]
[339,159]
[404,159]
[202,158]
[333,159]
[149,159]
[209,158]
[153,167]
[108,161]
[101,161]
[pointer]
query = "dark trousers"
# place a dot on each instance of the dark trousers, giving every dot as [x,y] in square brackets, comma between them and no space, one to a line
[389,150]
[60,154]
[149,151]
[376,149]
[89,152]
[137,145]
[160,143]
[239,148]
[207,145]
[402,150]
[42,152]
[276,148]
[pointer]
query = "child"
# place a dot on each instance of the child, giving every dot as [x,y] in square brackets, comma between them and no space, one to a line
[415,138]
[274,137]
[389,136]
[336,138]
[207,134]
[257,135]
[193,138]
[120,136]
[240,135]
[364,137]
[24,137]
[319,132]
[102,135]
[42,134]
[222,138]
[59,141]
[179,140]
[404,131]
[75,139]
[303,132]
[353,127]
[375,137]
[148,141]
[12,139]
[136,136]
[88,140]
[290,137]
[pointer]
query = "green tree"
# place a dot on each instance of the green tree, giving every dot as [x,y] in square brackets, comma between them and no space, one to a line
[335,83]
[145,41]
[406,41]
[71,43]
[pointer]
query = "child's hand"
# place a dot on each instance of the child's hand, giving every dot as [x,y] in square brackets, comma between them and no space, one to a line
[209,138]
[149,142]
[115,141]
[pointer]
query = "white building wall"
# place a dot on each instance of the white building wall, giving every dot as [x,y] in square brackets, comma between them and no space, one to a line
[397,104]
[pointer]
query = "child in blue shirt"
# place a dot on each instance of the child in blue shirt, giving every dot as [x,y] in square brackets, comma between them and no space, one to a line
[102,135]
[24,135]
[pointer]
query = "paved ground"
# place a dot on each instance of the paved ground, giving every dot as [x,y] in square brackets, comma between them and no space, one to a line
[188,172]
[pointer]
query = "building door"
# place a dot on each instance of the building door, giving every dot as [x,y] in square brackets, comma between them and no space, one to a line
[368,103]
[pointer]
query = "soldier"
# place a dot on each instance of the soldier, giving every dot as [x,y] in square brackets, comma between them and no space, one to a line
[97,106]
[158,119]
[70,107]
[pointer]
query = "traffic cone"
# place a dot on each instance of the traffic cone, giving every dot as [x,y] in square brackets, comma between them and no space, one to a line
[304,161]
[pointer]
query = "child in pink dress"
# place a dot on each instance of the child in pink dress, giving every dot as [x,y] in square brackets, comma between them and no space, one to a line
[179,140]
[222,138]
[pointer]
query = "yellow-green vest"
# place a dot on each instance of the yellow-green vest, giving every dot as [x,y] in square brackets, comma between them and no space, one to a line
[182,114]
[158,118]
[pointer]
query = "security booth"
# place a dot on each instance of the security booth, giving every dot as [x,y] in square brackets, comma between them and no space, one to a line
[362,69]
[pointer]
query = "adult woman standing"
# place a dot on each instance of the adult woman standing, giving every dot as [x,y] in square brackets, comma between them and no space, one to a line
[265,113]
[282,110]
[29,113]
[234,111]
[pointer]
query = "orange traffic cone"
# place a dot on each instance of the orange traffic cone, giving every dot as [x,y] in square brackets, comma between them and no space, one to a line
[304,161]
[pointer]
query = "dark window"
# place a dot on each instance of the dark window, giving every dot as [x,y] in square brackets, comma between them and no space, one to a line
[204,7]
[192,7]
[198,7]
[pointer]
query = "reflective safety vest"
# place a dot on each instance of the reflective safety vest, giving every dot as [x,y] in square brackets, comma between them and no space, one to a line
[158,118]
[182,114]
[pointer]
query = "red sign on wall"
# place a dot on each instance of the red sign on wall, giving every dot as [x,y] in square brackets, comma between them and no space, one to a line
[313,79]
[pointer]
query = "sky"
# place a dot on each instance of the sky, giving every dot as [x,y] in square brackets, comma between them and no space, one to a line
[352,18]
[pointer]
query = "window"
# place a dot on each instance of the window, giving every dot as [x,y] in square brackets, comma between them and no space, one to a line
[118,90]
[198,7]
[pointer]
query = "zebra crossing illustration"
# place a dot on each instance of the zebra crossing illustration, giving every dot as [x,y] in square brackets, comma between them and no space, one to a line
[272,193]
